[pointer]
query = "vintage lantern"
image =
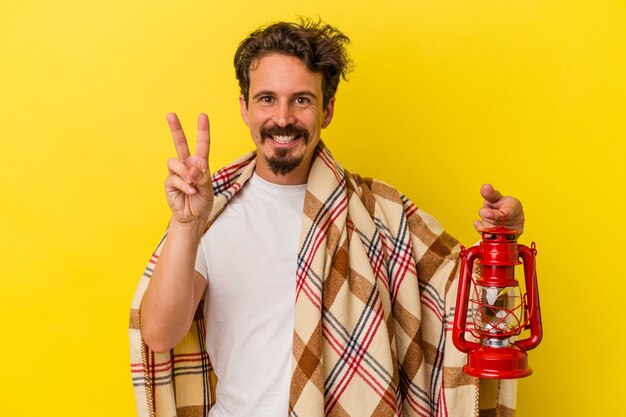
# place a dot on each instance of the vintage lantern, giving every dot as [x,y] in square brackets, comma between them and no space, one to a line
[499,312]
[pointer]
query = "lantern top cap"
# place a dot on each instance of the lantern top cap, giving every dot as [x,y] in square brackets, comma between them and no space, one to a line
[500,231]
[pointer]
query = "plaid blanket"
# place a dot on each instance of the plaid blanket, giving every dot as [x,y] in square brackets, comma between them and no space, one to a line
[374,304]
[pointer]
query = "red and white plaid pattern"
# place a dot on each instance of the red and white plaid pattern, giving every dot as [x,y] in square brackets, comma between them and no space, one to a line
[375,295]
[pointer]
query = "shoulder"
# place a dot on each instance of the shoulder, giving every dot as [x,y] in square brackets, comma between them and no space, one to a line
[368,188]
[383,199]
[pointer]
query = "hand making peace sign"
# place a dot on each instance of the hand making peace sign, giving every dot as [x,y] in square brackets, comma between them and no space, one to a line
[188,186]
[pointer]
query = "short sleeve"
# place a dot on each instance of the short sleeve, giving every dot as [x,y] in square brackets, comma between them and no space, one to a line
[201,261]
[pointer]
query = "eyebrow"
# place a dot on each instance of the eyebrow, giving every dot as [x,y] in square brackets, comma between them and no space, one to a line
[305,93]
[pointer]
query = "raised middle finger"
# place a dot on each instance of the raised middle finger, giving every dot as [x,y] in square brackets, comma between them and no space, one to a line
[204,137]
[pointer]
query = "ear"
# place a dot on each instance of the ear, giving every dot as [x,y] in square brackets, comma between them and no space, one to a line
[244,109]
[329,110]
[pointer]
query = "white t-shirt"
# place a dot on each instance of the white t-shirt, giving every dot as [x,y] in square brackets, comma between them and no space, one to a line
[249,257]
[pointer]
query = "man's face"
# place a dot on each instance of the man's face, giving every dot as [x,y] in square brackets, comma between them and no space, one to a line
[285,115]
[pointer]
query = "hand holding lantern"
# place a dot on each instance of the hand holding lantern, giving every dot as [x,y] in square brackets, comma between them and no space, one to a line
[498,309]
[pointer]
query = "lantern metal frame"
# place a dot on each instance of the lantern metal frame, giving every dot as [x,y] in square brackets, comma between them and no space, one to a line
[495,354]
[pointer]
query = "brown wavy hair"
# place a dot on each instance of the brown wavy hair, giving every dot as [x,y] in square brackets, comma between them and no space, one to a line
[321,47]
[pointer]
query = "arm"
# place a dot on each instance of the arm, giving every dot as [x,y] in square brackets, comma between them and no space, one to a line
[175,288]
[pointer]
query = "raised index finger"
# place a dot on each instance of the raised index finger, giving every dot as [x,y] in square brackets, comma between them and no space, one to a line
[204,137]
[180,142]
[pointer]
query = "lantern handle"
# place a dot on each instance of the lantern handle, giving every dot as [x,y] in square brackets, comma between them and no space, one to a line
[534,311]
[467,257]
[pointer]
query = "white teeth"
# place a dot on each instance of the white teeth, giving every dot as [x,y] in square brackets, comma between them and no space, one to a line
[283,139]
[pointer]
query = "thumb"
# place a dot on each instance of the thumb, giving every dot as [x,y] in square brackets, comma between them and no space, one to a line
[490,194]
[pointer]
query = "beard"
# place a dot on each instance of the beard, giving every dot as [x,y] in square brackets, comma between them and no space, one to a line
[282,163]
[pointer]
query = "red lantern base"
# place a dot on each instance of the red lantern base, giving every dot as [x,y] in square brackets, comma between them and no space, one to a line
[498,363]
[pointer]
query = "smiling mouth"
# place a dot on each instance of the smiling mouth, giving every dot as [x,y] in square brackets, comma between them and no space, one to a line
[284,135]
[283,139]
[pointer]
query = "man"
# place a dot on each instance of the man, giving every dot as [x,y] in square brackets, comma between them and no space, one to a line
[324,293]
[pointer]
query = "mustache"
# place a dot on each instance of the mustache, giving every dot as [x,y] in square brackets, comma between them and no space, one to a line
[289,130]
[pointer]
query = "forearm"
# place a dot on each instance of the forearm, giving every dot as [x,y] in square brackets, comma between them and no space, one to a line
[170,300]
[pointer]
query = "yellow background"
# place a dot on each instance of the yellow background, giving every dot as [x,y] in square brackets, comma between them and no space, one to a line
[446,95]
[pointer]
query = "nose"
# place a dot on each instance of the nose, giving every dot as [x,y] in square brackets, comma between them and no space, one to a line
[283,115]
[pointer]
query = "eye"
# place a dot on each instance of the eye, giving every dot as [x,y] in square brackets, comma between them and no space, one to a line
[266,99]
[301,100]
